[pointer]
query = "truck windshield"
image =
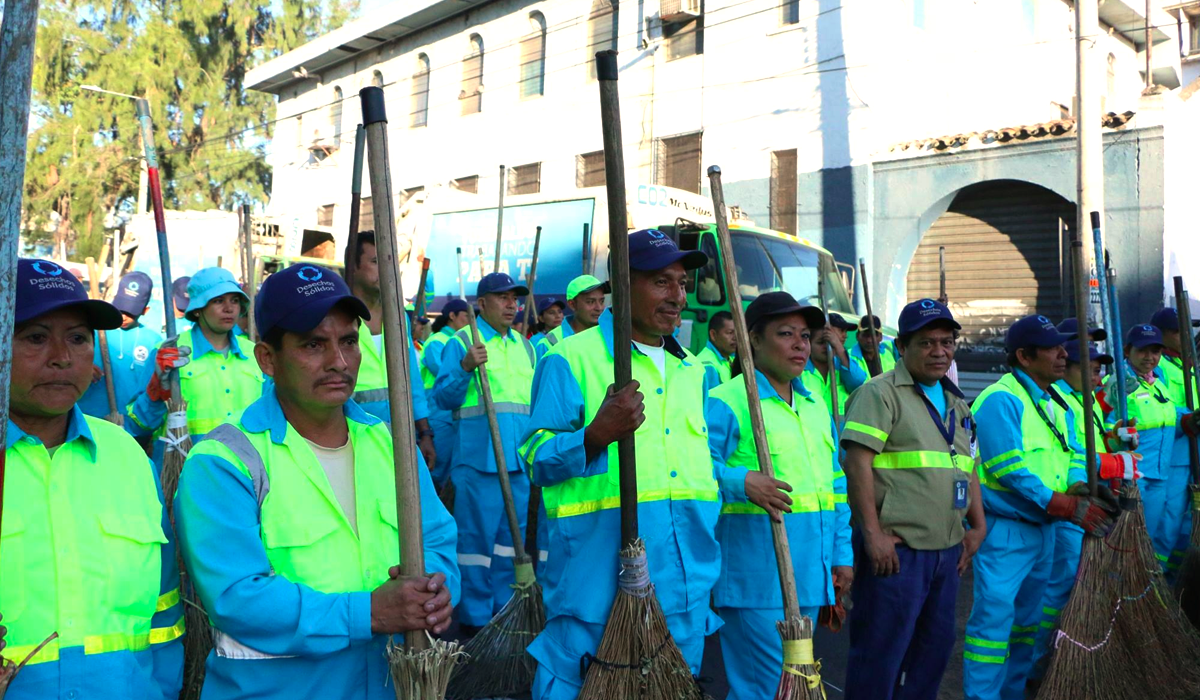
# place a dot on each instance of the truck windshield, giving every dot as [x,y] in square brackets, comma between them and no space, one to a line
[768,265]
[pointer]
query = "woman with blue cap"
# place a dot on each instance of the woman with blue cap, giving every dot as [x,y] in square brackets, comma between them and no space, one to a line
[218,374]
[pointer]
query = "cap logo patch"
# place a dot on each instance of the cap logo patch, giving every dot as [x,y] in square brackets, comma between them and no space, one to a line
[655,233]
[1043,319]
[47,268]
[132,287]
[1147,329]
[927,303]
[309,273]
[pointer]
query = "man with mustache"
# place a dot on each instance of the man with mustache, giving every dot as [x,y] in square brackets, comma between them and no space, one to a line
[87,548]
[288,521]
[571,451]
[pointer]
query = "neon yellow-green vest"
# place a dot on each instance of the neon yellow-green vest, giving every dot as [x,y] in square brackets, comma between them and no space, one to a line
[510,374]
[886,359]
[216,387]
[1080,427]
[81,547]
[801,445]
[372,372]
[711,358]
[1043,455]
[1172,368]
[1151,406]
[673,461]
[306,535]
[819,386]
[437,343]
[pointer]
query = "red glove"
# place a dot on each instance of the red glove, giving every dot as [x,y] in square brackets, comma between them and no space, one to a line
[1095,515]
[1102,399]
[1121,465]
[168,359]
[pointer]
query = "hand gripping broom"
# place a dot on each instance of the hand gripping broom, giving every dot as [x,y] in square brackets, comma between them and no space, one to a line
[637,657]
[114,414]
[801,677]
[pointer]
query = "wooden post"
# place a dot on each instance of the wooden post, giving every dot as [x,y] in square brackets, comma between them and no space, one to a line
[114,415]
[350,260]
[875,366]
[500,216]
[420,303]
[587,245]
[408,488]
[783,554]
[618,258]
[1082,304]
[531,300]
[943,298]
[248,268]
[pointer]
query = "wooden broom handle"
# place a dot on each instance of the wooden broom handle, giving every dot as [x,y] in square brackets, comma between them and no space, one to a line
[1082,299]
[1184,313]
[875,366]
[531,300]
[105,360]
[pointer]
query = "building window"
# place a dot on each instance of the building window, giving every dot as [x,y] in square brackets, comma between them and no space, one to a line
[466,184]
[589,169]
[602,31]
[1194,41]
[366,214]
[679,162]
[783,191]
[471,96]
[407,194]
[335,117]
[789,12]
[525,179]
[325,215]
[533,57]
[377,79]
[420,92]
[685,31]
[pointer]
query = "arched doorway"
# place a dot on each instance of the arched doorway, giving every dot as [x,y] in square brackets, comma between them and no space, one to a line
[1006,258]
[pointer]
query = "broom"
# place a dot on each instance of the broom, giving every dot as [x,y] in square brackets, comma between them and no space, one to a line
[248,270]
[421,668]
[535,491]
[497,664]
[1187,587]
[531,300]
[350,260]
[114,415]
[637,657]
[874,366]
[801,678]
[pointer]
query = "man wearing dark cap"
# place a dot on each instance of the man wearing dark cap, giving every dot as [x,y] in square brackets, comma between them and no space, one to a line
[179,296]
[829,364]
[129,348]
[571,452]
[288,519]
[870,346]
[452,319]
[485,548]
[1034,476]
[911,469]
[87,548]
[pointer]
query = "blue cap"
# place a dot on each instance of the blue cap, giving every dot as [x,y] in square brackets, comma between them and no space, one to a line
[297,299]
[455,306]
[1144,335]
[651,249]
[1070,326]
[499,282]
[1034,331]
[921,313]
[838,321]
[1072,347]
[43,286]
[546,303]
[179,293]
[210,283]
[133,293]
[1168,320]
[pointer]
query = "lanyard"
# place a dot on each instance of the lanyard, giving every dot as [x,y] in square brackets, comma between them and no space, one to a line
[1062,441]
[947,435]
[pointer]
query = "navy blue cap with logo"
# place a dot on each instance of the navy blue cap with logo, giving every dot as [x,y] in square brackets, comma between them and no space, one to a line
[651,249]
[298,297]
[1094,353]
[498,282]
[455,306]
[179,293]
[1070,326]
[546,303]
[44,286]
[922,312]
[838,321]
[1144,335]
[1034,331]
[1167,319]
[133,293]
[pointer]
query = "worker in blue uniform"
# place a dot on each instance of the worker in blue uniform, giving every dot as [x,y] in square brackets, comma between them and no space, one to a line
[585,299]
[1033,476]
[454,317]
[485,548]
[808,495]
[717,355]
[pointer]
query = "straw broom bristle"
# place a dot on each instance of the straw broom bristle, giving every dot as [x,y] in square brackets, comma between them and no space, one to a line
[1187,588]
[423,675]
[497,664]
[801,679]
[10,669]
[637,657]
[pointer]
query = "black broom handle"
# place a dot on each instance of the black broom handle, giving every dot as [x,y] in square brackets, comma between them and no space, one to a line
[1184,313]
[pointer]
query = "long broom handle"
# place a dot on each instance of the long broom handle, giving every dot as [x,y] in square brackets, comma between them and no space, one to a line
[1184,313]
[783,553]
[105,360]
[500,216]
[875,366]
[408,488]
[587,245]
[942,296]
[618,257]
[420,305]
[1118,347]
[351,260]
[833,380]
[248,269]
[1085,360]
[531,300]
[462,292]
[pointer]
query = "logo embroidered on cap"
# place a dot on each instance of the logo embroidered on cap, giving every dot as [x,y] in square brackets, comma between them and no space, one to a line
[132,288]
[41,266]
[1043,320]
[1147,329]
[309,273]
[927,303]
[655,233]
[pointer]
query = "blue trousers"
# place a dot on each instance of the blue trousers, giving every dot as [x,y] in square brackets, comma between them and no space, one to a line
[1168,516]
[561,647]
[902,626]
[753,651]
[485,547]
[1068,543]
[443,442]
[1012,570]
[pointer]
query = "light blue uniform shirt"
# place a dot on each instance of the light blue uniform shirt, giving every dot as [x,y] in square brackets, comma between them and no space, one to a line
[129,352]
[936,396]
[999,431]
[328,635]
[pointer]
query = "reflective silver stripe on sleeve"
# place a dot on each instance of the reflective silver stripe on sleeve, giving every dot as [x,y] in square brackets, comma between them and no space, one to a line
[520,409]
[237,442]
[551,340]
[230,648]
[370,395]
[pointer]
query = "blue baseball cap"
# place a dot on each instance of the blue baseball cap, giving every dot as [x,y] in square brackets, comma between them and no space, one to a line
[651,249]
[1072,347]
[297,299]
[1070,326]
[455,306]
[838,321]
[179,293]
[210,283]
[1034,331]
[546,303]
[499,282]
[1144,335]
[1167,319]
[133,293]
[922,312]
[44,286]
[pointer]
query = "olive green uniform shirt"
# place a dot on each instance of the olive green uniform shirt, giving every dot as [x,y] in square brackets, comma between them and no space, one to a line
[914,474]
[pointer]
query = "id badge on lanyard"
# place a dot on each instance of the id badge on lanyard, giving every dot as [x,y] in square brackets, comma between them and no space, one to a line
[961,483]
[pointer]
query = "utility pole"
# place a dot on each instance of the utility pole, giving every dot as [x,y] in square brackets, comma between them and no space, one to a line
[1088,129]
